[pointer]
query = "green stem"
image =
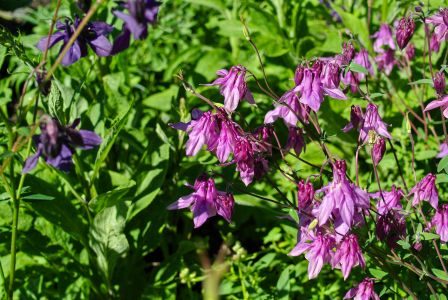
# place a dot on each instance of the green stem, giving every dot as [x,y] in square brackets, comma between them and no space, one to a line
[12,266]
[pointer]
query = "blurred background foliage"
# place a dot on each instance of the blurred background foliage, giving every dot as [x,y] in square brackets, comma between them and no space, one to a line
[134,248]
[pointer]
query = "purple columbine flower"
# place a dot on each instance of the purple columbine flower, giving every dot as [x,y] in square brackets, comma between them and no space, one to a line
[363,291]
[205,201]
[348,255]
[426,189]
[440,21]
[295,141]
[289,109]
[391,200]
[244,158]
[312,93]
[298,75]
[386,61]
[350,79]
[362,59]
[57,143]
[233,87]
[391,227]
[331,78]
[228,133]
[319,251]
[305,194]
[141,13]
[341,197]
[443,150]
[434,44]
[439,83]
[440,221]
[383,37]
[373,121]
[356,118]
[404,31]
[348,52]
[410,51]
[441,102]
[379,148]
[94,35]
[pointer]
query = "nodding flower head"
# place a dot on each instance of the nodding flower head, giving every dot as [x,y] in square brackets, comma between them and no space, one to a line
[391,227]
[305,194]
[426,189]
[439,83]
[348,255]
[295,141]
[383,37]
[298,74]
[379,148]
[362,58]
[440,221]
[348,51]
[410,51]
[356,118]
[363,291]
[440,22]
[404,31]
[373,122]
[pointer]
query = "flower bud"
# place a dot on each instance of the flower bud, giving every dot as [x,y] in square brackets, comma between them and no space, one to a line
[418,9]
[417,246]
[305,194]
[439,83]
[410,51]
[434,43]
[404,31]
[298,75]
[348,51]
[379,148]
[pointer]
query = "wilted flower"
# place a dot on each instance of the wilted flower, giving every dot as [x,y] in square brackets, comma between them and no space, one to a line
[439,83]
[305,194]
[205,201]
[341,197]
[318,247]
[386,61]
[410,51]
[295,141]
[356,118]
[440,22]
[391,200]
[363,291]
[348,255]
[373,121]
[362,59]
[233,87]
[57,143]
[404,31]
[289,109]
[379,148]
[383,37]
[426,189]
[440,221]
[94,35]
[443,150]
[391,228]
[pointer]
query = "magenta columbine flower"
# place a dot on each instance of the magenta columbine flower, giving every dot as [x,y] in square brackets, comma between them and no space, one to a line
[440,21]
[350,79]
[348,52]
[331,78]
[348,255]
[379,148]
[289,109]
[318,248]
[233,87]
[362,58]
[391,227]
[443,150]
[205,201]
[426,190]
[410,51]
[404,31]
[312,92]
[341,197]
[244,158]
[295,141]
[356,118]
[441,102]
[93,35]
[363,291]
[440,221]
[57,143]
[391,200]
[373,121]
[305,194]
[383,37]
[228,133]
[434,44]
[386,61]
[439,83]
[298,75]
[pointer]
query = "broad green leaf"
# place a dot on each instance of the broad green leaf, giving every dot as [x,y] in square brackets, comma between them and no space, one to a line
[422,81]
[440,273]
[283,284]
[110,198]
[358,68]
[443,164]
[215,4]
[56,104]
[38,197]
[355,25]
[427,236]
[162,101]
[377,273]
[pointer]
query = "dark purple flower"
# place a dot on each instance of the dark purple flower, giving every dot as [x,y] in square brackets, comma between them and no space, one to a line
[305,194]
[441,102]
[289,109]
[404,31]
[363,291]
[356,118]
[383,37]
[319,251]
[94,35]
[228,133]
[410,51]
[141,13]
[426,189]
[244,158]
[224,205]
[386,61]
[295,141]
[391,200]
[341,197]
[373,122]
[233,87]
[439,83]
[379,148]
[440,21]
[391,228]
[57,143]
[440,221]
[418,246]
[443,150]
[84,5]
[348,255]
[362,59]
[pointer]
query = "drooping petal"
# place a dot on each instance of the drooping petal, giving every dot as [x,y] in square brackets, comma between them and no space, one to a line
[31,162]
[54,38]
[101,46]
[73,54]
[90,139]
[182,202]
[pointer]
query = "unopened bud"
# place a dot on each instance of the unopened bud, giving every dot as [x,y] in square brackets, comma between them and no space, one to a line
[404,31]
[439,83]
[379,148]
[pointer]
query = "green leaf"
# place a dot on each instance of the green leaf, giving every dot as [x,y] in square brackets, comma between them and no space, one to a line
[358,68]
[56,103]
[215,4]
[355,25]
[441,178]
[440,274]
[405,245]
[294,215]
[110,198]
[443,165]
[162,101]
[283,284]
[377,273]
[376,95]
[107,239]
[427,236]
[422,81]
[38,197]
